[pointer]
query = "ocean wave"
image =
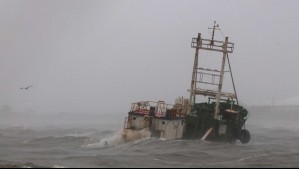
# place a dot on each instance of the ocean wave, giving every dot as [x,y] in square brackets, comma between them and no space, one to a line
[16,131]
[112,140]
[251,157]
[62,140]
[19,165]
[58,166]
[115,139]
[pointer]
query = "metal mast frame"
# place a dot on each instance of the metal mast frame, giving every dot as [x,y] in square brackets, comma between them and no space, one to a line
[224,47]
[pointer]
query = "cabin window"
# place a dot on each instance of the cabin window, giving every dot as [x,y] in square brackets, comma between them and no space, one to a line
[163,122]
[134,118]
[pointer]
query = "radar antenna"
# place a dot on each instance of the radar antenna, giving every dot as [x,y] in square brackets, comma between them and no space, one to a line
[215,27]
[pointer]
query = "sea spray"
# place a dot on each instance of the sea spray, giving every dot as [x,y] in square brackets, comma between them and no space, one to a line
[116,138]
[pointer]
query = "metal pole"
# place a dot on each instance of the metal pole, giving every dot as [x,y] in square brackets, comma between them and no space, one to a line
[221,79]
[231,74]
[212,41]
[194,74]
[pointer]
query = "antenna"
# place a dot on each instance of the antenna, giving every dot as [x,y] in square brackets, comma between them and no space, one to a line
[213,33]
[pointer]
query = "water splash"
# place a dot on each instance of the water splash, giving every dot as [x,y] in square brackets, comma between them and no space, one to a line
[117,139]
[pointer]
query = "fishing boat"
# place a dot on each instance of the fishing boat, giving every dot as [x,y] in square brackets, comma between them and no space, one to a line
[219,118]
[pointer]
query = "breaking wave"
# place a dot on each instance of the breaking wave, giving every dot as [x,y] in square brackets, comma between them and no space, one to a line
[116,139]
[19,165]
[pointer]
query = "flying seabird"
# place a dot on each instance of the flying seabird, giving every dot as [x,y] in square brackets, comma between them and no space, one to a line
[26,88]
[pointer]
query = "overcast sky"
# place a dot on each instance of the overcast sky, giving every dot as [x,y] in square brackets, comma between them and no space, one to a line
[99,56]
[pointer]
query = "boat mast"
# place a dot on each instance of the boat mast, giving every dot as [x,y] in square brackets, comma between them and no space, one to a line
[221,79]
[216,76]
[192,97]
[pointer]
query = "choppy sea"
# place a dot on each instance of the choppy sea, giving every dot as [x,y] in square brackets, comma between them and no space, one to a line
[102,146]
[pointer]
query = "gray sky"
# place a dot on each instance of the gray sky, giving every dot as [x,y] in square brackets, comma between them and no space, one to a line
[99,56]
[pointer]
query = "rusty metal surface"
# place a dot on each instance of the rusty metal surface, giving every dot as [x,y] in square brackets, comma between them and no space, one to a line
[213,93]
[205,44]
